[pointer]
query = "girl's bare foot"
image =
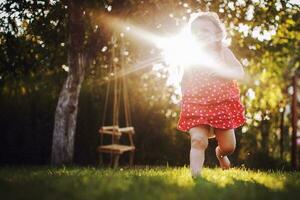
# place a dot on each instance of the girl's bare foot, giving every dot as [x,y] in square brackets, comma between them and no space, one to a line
[223,160]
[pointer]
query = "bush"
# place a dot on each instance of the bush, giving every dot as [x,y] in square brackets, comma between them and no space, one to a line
[261,160]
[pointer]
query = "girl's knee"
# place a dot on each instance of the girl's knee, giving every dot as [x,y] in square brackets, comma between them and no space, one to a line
[227,149]
[199,140]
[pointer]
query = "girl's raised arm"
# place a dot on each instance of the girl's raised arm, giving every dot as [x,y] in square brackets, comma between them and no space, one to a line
[232,61]
[229,68]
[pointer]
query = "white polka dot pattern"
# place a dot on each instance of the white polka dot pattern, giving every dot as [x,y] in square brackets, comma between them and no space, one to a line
[198,87]
[209,100]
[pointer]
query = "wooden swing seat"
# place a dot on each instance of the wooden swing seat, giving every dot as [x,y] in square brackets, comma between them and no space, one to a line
[116,130]
[115,148]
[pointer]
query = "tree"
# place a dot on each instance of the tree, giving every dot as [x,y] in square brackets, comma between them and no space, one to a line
[66,110]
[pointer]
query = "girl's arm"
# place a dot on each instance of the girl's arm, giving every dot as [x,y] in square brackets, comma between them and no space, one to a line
[232,68]
[233,62]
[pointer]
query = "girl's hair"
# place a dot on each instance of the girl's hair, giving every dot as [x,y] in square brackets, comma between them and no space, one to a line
[221,35]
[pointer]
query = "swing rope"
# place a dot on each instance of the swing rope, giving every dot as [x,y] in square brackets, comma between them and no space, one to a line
[119,86]
[120,92]
[125,91]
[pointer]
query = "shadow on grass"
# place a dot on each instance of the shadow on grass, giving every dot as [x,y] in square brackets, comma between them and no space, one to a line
[239,189]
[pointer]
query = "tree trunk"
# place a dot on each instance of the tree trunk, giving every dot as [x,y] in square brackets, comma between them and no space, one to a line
[282,133]
[294,152]
[67,107]
[265,129]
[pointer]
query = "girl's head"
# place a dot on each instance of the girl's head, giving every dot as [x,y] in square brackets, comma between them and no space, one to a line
[206,26]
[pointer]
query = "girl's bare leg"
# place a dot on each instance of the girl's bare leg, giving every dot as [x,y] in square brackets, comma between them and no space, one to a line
[226,146]
[199,142]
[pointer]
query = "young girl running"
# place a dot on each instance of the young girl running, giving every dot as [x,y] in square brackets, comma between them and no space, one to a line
[210,105]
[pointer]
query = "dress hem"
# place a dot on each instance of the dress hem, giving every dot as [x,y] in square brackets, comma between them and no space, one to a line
[211,125]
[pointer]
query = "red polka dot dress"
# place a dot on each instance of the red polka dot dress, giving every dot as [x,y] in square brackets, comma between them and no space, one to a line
[210,100]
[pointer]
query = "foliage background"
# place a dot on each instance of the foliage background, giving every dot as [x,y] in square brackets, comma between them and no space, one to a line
[33,57]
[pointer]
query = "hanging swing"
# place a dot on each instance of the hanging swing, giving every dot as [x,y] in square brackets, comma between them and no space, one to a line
[115,149]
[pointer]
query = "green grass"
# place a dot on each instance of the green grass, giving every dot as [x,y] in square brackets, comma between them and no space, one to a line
[146,183]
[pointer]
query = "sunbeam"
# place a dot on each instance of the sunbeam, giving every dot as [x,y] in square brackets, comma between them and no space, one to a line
[181,50]
[139,66]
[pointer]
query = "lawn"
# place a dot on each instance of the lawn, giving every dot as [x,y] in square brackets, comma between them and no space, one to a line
[146,182]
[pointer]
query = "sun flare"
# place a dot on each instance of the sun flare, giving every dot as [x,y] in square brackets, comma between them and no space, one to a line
[178,52]
[181,50]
